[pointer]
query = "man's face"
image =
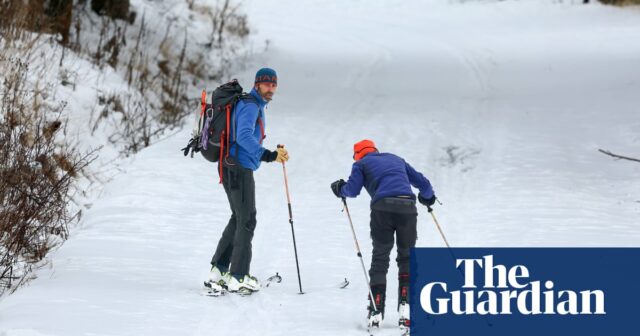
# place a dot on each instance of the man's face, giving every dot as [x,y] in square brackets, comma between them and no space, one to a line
[266,90]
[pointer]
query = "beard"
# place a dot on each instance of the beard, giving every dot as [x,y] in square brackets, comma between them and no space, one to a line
[265,95]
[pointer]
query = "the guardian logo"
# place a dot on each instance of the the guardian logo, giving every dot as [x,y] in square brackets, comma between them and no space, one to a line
[506,291]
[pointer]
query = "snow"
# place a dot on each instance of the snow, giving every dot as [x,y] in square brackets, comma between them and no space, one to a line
[502,105]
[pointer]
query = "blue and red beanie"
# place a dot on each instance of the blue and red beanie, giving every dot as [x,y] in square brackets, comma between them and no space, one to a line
[266,75]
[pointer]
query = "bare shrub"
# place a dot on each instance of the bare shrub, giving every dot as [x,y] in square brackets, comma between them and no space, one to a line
[39,168]
[132,120]
[38,173]
[621,2]
[51,16]
[225,19]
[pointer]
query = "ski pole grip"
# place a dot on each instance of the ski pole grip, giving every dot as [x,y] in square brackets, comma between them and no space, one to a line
[430,209]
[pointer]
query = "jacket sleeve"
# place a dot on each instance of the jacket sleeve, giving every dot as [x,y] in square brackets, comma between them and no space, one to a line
[246,117]
[354,184]
[419,181]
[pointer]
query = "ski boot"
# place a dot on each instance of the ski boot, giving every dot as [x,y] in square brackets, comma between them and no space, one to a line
[376,315]
[244,285]
[404,321]
[218,277]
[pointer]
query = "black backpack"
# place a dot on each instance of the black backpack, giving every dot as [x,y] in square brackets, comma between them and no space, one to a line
[213,131]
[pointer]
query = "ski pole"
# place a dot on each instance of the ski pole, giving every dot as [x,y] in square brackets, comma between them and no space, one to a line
[435,220]
[355,239]
[293,234]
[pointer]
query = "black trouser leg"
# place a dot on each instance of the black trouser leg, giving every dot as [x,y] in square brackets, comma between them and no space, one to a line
[382,236]
[392,218]
[244,201]
[406,235]
[235,244]
[222,256]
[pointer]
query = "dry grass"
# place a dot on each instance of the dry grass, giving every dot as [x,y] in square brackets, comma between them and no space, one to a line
[621,2]
[38,173]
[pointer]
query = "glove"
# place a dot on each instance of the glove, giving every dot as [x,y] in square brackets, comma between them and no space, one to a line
[282,155]
[192,147]
[279,155]
[337,186]
[268,156]
[428,202]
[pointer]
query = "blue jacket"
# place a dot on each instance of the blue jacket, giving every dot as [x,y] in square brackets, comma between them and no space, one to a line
[385,175]
[247,130]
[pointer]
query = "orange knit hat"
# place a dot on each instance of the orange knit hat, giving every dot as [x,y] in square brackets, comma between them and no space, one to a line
[363,148]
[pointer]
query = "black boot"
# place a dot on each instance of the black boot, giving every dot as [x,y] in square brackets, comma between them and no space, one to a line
[403,301]
[403,288]
[376,315]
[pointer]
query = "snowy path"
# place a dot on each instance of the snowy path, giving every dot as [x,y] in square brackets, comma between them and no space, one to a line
[502,106]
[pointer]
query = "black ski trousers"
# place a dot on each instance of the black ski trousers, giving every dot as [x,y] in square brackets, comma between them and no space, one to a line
[234,247]
[391,217]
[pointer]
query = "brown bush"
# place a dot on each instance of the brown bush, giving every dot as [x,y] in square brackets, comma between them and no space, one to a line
[621,2]
[37,175]
[38,171]
[52,16]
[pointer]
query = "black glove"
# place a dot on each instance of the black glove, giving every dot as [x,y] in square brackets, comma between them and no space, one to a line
[428,202]
[336,186]
[269,156]
[192,147]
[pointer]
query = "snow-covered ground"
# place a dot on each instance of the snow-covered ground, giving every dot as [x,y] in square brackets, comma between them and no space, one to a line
[503,105]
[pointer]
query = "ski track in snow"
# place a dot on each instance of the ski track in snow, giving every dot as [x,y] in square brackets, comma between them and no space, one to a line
[503,114]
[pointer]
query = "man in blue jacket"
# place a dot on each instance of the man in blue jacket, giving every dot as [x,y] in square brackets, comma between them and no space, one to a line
[388,179]
[232,258]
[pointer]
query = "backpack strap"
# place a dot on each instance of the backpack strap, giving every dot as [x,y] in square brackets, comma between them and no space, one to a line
[231,122]
[224,134]
[245,97]
[259,122]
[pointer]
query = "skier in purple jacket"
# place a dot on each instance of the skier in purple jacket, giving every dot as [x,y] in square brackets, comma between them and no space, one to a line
[388,179]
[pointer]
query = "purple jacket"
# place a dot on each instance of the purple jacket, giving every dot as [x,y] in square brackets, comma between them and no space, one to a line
[385,175]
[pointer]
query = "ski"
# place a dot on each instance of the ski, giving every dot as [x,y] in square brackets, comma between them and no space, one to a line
[404,328]
[213,289]
[404,321]
[216,290]
[373,323]
[274,278]
[375,330]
